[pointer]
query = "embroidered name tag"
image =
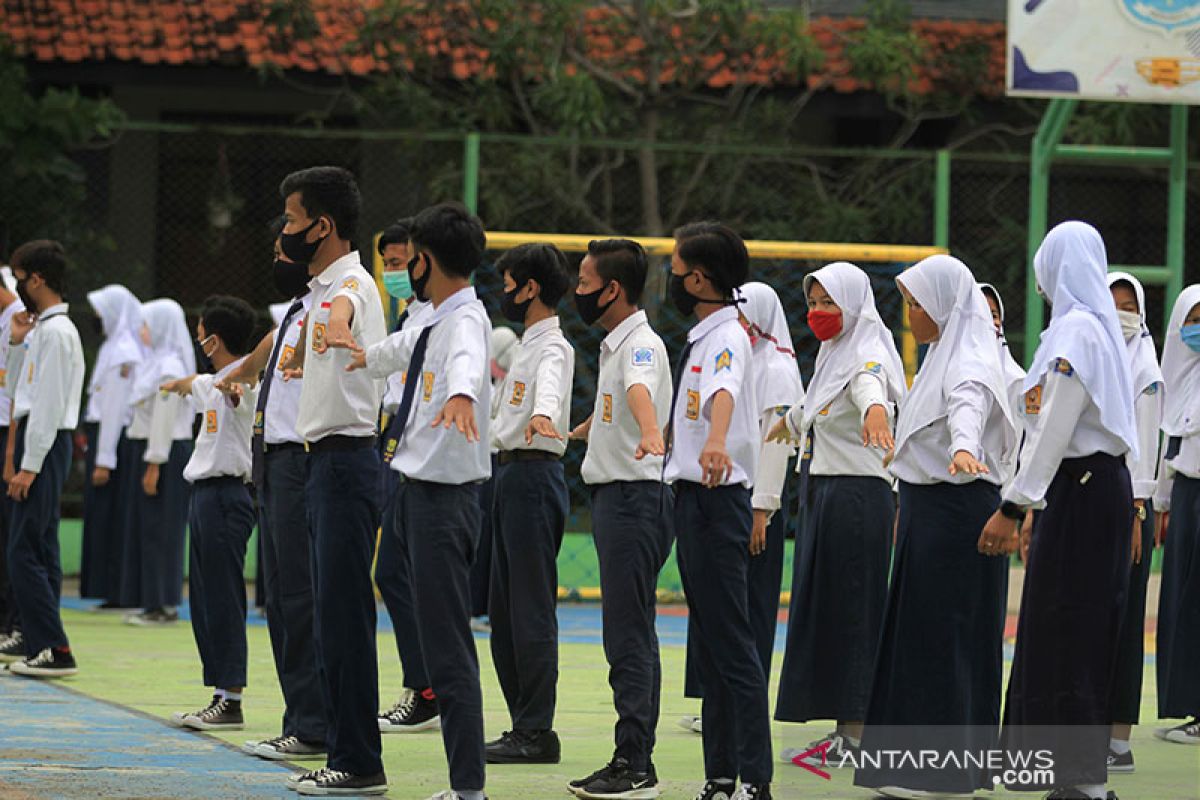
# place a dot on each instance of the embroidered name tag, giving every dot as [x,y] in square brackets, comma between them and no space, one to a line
[606,409]
[1033,401]
[518,394]
[210,420]
[693,404]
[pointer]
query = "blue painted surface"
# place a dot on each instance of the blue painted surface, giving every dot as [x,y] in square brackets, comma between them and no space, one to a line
[59,745]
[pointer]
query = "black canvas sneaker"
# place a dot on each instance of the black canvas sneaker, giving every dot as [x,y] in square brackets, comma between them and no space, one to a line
[412,713]
[524,747]
[224,715]
[716,791]
[1120,762]
[12,648]
[335,783]
[285,748]
[46,664]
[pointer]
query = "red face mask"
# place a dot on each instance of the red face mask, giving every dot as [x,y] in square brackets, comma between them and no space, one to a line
[825,324]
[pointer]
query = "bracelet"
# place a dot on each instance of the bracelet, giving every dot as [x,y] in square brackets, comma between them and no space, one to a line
[1012,511]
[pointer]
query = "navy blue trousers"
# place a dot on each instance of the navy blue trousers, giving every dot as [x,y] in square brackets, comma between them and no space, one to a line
[1131,651]
[221,522]
[529,516]
[288,585]
[712,527]
[343,510]
[9,618]
[35,568]
[481,570]
[443,525]
[632,531]
[394,579]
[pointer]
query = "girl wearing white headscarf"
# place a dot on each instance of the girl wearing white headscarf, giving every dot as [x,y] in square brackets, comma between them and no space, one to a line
[940,655]
[839,583]
[161,436]
[108,411]
[1130,299]
[1079,427]
[1178,502]
[778,388]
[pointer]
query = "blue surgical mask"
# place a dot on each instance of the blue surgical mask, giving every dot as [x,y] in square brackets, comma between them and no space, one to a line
[398,284]
[1191,336]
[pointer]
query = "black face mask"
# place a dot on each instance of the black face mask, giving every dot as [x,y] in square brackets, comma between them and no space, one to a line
[682,299]
[291,278]
[204,364]
[419,284]
[297,248]
[511,309]
[588,305]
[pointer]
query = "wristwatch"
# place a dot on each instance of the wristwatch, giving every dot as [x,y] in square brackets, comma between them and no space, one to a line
[1012,511]
[1141,512]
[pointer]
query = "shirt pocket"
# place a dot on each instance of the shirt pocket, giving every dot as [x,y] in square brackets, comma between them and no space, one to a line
[319,330]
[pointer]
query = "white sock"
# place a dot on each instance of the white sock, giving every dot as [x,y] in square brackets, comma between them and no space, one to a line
[234,696]
[1096,791]
[1119,746]
[219,693]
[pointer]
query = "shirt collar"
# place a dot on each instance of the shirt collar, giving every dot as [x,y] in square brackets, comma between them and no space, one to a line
[60,308]
[539,329]
[454,302]
[337,269]
[617,336]
[709,323]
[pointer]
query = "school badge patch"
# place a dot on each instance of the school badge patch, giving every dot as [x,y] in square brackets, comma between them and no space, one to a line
[318,337]
[427,386]
[693,404]
[606,408]
[724,360]
[873,367]
[351,284]
[210,420]
[642,357]
[1033,401]
[518,394]
[1063,367]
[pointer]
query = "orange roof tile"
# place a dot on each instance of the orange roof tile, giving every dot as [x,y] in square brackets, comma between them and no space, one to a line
[237,32]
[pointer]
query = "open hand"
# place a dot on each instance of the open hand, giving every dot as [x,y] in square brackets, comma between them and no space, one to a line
[540,425]
[965,462]
[781,433]
[459,412]
[18,487]
[876,432]
[651,444]
[715,464]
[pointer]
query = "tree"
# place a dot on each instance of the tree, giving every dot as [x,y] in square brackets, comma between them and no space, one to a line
[42,190]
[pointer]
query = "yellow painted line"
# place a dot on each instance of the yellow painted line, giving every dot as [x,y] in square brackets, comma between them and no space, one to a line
[758,248]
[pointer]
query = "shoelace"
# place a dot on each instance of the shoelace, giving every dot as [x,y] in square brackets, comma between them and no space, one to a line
[331,776]
[709,786]
[41,659]
[404,708]
[215,710]
[314,775]
[281,742]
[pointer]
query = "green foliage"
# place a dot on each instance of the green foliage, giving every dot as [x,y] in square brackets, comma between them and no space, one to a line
[42,189]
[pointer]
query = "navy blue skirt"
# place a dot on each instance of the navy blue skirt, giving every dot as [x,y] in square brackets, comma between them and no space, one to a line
[131,504]
[162,531]
[101,552]
[940,662]
[1179,606]
[839,592]
[1070,624]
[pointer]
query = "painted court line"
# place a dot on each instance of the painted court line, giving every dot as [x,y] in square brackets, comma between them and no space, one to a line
[58,744]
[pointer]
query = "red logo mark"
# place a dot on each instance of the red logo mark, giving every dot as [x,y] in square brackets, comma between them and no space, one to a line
[823,749]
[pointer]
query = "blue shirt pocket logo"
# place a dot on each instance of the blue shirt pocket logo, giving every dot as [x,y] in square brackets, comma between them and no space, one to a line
[643,357]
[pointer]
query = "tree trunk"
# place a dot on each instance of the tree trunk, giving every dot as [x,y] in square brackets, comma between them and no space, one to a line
[652,222]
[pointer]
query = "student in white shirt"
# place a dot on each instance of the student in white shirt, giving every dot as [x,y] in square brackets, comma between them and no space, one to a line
[443,455]
[338,420]
[1177,501]
[161,438]
[221,518]
[278,467]
[843,547]
[416,709]
[1130,299]
[10,305]
[1080,391]
[711,462]
[108,412]
[47,363]
[778,389]
[631,508]
[530,503]
[940,653]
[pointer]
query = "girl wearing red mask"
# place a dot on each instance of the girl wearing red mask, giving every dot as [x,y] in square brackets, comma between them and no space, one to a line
[839,586]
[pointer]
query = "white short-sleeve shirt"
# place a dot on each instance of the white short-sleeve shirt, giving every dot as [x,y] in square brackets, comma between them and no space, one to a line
[631,354]
[283,403]
[720,359]
[223,443]
[537,384]
[332,400]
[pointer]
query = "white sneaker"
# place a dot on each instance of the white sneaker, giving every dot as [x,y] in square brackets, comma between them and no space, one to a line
[688,722]
[1187,733]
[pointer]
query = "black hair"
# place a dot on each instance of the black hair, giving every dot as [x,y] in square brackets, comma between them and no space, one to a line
[232,319]
[717,251]
[396,233]
[453,235]
[44,257]
[623,261]
[327,191]
[542,262]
